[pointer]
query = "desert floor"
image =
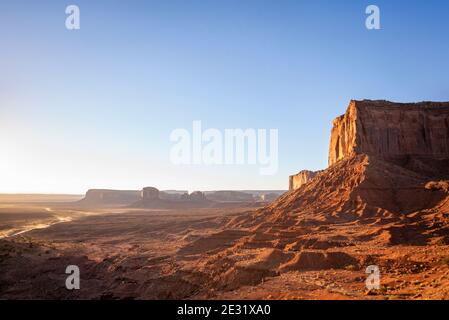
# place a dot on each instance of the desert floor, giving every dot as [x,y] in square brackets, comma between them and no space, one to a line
[200,254]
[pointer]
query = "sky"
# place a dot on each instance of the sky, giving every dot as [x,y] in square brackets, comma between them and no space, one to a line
[95,107]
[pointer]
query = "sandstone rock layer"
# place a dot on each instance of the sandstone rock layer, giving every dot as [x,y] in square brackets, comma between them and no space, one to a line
[103,197]
[391,131]
[300,179]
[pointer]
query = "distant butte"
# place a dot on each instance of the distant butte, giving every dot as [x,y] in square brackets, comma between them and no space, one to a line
[301,178]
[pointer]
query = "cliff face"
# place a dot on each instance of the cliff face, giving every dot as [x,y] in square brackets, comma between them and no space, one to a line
[109,197]
[149,193]
[297,180]
[391,130]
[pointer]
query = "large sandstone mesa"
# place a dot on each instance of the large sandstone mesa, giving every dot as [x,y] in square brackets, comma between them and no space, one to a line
[155,199]
[298,180]
[385,160]
[104,197]
[391,131]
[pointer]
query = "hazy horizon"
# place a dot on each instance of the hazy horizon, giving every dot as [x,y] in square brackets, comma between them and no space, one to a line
[94,108]
[83,193]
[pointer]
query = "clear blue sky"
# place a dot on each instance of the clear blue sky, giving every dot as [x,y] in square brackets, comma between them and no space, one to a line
[95,107]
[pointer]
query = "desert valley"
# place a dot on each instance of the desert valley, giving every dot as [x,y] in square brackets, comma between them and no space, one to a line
[383,200]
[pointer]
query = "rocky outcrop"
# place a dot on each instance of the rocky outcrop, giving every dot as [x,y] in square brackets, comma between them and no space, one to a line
[298,180]
[104,197]
[197,196]
[150,193]
[391,131]
[155,199]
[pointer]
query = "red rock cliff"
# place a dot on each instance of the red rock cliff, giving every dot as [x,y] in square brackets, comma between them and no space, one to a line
[391,130]
[301,178]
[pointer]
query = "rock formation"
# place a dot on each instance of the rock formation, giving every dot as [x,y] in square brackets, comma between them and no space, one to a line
[301,178]
[104,197]
[155,199]
[150,193]
[386,187]
[386,160]
[391,131]
[197,196]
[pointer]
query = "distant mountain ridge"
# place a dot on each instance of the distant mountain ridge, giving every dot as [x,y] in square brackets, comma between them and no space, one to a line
[175,198]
